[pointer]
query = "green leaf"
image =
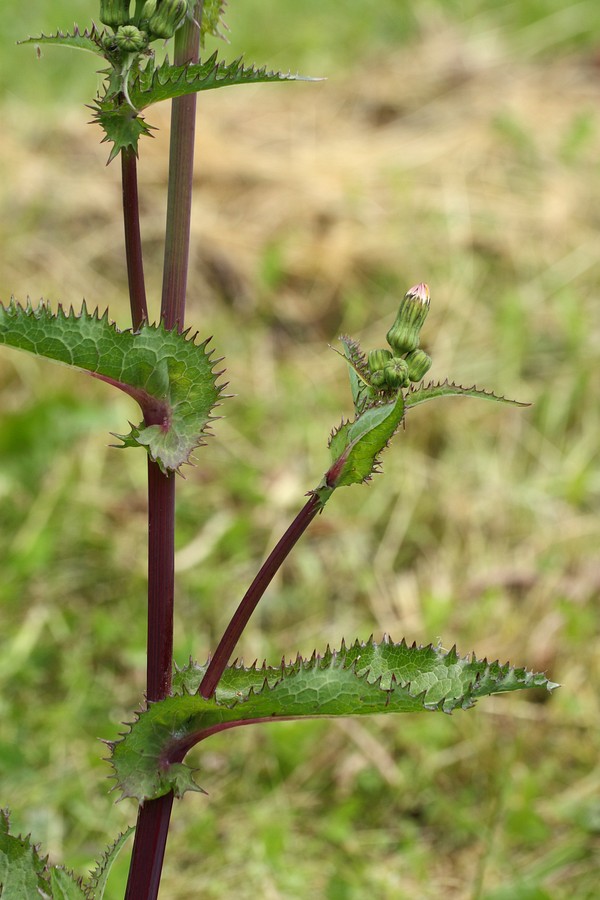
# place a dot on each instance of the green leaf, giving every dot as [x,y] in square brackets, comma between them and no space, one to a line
[65,886]
[127,95]
[22,870]
[24,873]
[213,12]
[359,680]
[151,84]
[420,393]
[358,371]
[96,884]
[167,373]
[122,126]
[90,39]
[355,446]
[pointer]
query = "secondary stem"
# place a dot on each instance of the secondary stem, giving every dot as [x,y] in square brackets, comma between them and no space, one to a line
[250,599]
[154,815]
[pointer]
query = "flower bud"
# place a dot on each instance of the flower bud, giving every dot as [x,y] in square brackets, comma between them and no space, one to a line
[148,9]
[387,372]
[114,12]
[378,359]
[419,363]
[166,18]
[131,39]
[395,373]
[403,336]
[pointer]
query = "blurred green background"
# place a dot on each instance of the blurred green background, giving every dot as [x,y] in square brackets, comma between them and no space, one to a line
[455,143]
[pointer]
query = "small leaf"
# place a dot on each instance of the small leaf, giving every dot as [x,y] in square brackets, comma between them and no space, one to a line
[22,870]
[96,884]
[90,39]
[213,12]
[420,393]
[355,446]
[121,125]
[167,373]
[151,84]
[65,886]
[358,371]
[363,679]
[24,873]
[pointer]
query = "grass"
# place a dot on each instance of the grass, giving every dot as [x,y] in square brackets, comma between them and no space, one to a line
[462,150]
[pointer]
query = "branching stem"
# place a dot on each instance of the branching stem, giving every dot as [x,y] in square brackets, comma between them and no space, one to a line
[254,593]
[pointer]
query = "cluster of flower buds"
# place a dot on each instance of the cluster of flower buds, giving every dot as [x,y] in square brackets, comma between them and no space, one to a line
[406,362]
[157,19]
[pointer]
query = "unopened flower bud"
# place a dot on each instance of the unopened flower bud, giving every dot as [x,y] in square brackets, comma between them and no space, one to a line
[419,363]
[395,373]
[403,336]
[131,39]
[114,12]
[378,359]
[166,18]
[148,9]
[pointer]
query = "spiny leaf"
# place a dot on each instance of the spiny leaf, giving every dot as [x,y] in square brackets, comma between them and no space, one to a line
[420,393]
[151,84]
[90,39]
[96,884]
[121,121]
[358,370]
[167,373]
[22,870]
[24,873]
[121,125]
[359,680]
[213,12]
[355,446]
[65,886]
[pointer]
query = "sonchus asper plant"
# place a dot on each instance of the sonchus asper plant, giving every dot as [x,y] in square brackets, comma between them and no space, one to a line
[170,372]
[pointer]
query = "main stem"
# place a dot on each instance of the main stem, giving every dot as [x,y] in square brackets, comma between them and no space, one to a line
[154,815]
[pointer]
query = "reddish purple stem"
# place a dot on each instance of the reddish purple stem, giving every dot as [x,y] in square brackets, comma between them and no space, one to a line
[256,590]
[133,239]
